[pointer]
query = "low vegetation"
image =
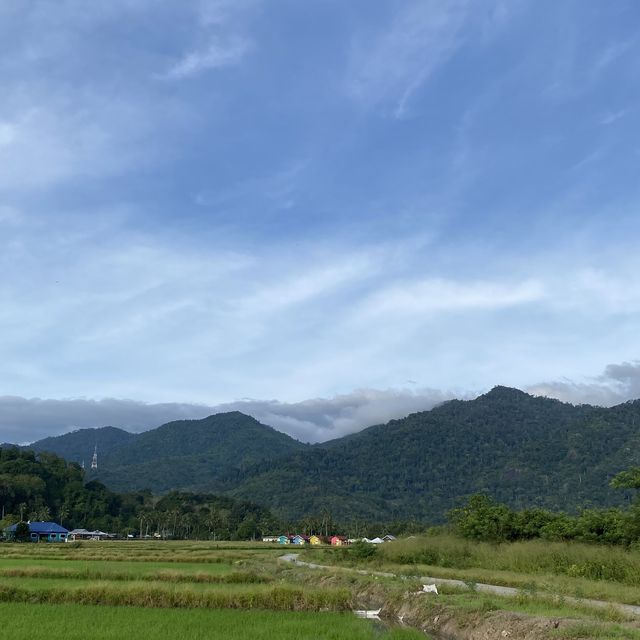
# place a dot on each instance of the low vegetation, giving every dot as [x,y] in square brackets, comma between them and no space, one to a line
[76,622]
[553,581]
[575,560]
[139,587]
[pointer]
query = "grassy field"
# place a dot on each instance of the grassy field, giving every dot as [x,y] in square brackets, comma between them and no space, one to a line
[168,590]
[569,569]
[77,622]
[235,590]
[547,576]
[575,560]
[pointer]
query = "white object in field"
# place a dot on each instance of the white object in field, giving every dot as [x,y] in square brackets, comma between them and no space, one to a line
[371,614]
[429,588]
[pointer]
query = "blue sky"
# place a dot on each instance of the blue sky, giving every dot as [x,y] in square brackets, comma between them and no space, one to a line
[328,213]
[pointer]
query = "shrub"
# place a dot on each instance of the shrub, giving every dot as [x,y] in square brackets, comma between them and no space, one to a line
[362,550]
[22,532]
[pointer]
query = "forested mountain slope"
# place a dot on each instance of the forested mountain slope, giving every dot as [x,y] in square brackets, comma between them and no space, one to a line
[43,486]
[194,454]
[79,445]
[520,449]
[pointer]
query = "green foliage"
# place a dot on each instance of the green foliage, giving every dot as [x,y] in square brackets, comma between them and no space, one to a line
[78,445]
[22,532]
[574,560]
[534,455]
[627,479]
[525,452]
[484,519]
[362,550]
[205,454]
[44,487]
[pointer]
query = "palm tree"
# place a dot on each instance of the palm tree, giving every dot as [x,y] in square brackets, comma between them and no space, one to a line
[63,513]
[43,514]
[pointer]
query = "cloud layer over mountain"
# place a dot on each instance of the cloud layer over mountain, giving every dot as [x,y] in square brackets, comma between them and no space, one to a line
[315,420]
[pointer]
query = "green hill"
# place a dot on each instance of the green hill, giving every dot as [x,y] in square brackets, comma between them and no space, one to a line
[79,445]
[43,486]
[184,454]
[520,449]
[194,454]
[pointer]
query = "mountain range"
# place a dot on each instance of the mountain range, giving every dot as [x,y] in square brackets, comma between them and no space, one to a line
[523,450]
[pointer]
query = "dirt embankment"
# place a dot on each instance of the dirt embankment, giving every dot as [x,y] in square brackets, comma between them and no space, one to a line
[449,623]
[444,622]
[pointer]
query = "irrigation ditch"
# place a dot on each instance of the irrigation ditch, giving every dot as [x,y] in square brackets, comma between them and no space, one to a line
[423,610]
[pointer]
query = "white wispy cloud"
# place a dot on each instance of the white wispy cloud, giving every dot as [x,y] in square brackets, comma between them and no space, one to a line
[221,39]
[219,52]
[93,125]
[575,67]
[391,66]
[7,133]
[24,420]
[611,53]
[320,419]
[61,142]
[316,420]
[613,116]
[439,295]
[617,383]
[277,188]
[388,67]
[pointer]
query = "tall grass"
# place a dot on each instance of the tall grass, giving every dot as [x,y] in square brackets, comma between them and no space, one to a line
[571,559]
[235,577]
[277,598]
[149,551]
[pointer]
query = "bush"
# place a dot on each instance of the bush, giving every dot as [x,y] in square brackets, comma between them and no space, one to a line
[22,532]
[362,550]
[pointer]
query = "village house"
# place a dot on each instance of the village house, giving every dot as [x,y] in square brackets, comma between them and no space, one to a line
[41,532]
[315,540]
[339,541]
[83,534]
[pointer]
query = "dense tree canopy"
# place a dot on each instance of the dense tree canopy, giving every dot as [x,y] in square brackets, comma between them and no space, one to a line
[45,487]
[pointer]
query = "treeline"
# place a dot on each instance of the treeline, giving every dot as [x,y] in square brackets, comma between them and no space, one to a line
[482,518]
[44,487]
[524,451]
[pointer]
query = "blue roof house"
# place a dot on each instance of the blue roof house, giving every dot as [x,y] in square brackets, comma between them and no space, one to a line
[42,532]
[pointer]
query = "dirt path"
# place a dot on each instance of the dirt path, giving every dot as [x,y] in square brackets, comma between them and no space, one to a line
[630,609]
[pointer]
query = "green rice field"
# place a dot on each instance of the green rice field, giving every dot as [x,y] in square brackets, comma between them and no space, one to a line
[77,622]
[168,590]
